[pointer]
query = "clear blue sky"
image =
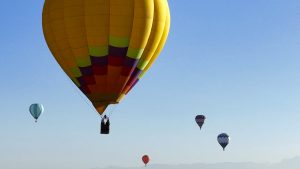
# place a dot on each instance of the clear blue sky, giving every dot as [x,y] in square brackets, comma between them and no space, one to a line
[238,62]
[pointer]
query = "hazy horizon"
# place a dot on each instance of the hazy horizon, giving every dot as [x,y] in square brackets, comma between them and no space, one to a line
[291,163]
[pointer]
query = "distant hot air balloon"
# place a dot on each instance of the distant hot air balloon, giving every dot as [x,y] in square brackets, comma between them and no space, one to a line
[145,159]
[223,140]
[36,110]
[200,120]
[105,46]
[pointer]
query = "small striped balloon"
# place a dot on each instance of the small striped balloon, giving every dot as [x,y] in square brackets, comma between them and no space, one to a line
[223,140]
[36,110]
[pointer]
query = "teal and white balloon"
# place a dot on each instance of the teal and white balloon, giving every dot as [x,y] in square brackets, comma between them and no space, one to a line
[36,110]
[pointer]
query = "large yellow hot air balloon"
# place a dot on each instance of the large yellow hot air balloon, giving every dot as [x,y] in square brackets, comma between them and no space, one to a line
[105,46]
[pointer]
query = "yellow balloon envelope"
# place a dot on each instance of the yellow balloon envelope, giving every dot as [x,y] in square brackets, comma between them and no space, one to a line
[105,46]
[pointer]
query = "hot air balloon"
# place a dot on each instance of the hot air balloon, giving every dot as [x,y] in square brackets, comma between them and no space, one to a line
[200,120]
[145,159]
[36,110]
[223,140]
[105,46]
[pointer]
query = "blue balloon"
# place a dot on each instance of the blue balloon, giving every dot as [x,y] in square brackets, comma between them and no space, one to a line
[36,110]
[223,140]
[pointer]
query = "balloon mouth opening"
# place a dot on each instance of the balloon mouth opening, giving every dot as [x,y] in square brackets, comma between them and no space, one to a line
[101,106]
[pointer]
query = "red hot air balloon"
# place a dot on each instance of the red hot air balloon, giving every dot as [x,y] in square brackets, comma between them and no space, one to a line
[145,159]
